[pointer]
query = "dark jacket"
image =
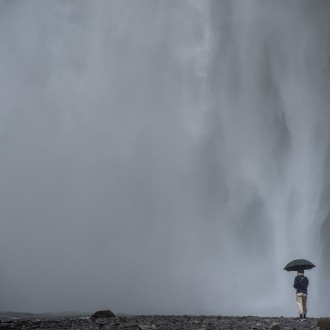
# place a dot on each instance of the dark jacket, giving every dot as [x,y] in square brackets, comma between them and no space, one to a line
[301,284]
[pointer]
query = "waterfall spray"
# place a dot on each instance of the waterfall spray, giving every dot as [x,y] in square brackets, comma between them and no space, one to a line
[163,156]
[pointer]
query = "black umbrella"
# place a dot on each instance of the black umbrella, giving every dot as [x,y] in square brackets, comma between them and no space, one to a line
[298,264]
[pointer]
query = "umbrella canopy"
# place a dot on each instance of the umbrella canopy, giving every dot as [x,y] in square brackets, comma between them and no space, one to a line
[298,264]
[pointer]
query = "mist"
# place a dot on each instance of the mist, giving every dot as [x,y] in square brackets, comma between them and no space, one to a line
[163,157]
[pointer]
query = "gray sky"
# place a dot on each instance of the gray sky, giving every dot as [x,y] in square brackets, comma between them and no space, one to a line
[158,155]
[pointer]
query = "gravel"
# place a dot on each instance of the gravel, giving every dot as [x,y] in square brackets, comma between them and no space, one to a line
[159,322]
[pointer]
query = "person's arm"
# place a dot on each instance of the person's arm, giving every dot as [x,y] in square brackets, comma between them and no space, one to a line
[295,284]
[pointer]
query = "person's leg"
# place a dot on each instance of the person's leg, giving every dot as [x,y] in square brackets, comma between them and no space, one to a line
[304,301]
[299,301]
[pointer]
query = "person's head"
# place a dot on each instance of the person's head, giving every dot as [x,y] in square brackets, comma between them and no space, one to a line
[300,272]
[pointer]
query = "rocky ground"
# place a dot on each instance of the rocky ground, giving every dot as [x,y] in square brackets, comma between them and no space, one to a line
[162,323]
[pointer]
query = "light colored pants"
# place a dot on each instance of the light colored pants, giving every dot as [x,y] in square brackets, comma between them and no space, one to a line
[301,300]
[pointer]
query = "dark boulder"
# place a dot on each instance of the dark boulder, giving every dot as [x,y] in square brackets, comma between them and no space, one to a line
[102,315]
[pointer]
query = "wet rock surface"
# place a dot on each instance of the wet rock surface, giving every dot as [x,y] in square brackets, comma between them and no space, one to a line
[158,322]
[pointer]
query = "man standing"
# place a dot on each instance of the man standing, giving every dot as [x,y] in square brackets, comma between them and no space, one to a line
[301,284]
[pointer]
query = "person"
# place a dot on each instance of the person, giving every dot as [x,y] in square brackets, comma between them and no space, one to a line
[300,284]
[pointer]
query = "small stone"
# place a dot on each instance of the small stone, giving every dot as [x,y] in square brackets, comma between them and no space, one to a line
[147,327]
[143,327]
[275,326]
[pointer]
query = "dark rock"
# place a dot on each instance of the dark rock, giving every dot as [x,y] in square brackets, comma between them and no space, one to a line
[102,315]
[324,324]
